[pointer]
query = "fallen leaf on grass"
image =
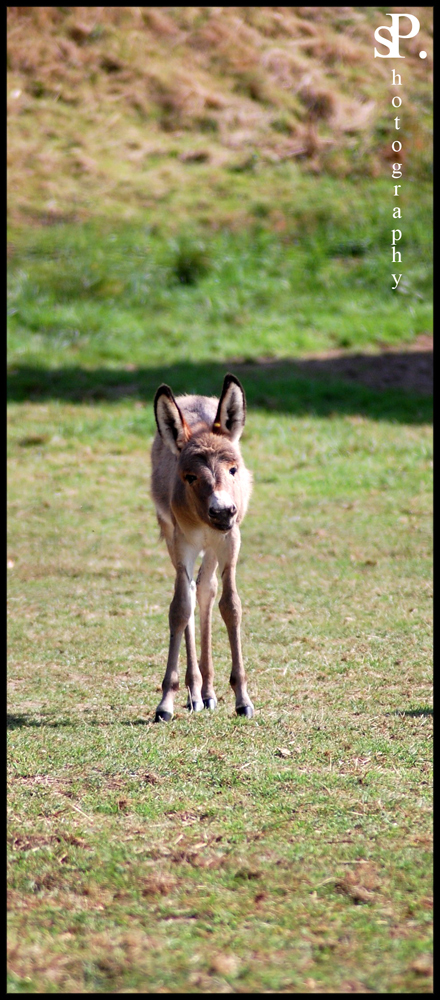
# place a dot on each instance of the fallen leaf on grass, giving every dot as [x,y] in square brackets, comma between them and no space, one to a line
[283,752]
[151,778]
[352,986]
[226,965]
[356,892]
[247,873]
[157,885]
[422,965]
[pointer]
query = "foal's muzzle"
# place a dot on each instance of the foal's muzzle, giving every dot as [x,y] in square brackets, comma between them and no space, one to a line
[222,518]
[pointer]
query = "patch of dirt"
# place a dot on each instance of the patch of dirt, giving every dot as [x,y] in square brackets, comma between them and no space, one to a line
[411,369]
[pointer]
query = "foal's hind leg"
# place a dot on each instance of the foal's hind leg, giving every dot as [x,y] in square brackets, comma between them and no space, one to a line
[206,591]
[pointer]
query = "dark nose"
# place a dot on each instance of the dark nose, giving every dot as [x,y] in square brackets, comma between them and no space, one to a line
[222,513]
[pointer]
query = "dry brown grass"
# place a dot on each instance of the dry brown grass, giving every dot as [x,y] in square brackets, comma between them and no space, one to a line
[95,92]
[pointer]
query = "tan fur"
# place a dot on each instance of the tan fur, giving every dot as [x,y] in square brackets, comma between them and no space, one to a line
[201,489]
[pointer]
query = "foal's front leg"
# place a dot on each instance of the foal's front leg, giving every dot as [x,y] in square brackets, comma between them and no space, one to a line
[230,609]
[206,591]
[193,677]
[181,619]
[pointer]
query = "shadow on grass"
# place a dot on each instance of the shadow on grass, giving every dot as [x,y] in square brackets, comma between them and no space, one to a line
[413,713]
[365,385]
[28,721]
[25,720]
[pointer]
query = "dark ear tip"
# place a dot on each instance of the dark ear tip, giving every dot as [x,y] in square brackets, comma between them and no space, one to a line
[231,378]
[163,390]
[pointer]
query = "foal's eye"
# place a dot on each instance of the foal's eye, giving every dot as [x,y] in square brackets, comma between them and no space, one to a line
[189,478]
[233,470]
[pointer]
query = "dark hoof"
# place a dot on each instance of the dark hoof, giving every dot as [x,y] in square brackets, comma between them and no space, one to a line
[245,710]
[195,706]
[162,716]
[210,703]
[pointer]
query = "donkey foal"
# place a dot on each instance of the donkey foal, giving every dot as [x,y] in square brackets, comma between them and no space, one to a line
[201,489]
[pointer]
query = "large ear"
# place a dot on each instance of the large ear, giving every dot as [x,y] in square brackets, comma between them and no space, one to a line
[231,411]
[171,424]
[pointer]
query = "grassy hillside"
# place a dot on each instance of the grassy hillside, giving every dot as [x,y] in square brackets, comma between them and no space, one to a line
[213,183]
[198,111]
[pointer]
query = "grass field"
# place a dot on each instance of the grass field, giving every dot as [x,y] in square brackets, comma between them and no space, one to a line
[194,191]
[288,854]
[292,853]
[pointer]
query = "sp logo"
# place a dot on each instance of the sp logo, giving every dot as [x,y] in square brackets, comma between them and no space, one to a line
[394,31]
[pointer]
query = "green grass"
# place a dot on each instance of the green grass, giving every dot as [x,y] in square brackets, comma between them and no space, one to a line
[101,293]
[291,853]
